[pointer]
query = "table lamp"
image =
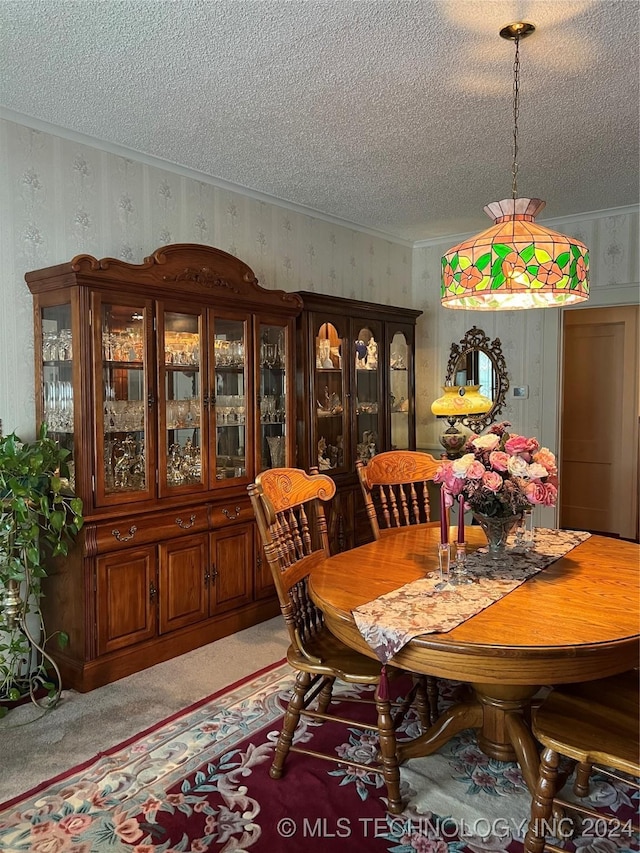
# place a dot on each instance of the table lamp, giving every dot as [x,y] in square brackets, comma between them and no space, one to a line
[456,404]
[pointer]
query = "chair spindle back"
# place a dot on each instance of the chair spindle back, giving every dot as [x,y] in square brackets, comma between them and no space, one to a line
[395,489]
[288,505]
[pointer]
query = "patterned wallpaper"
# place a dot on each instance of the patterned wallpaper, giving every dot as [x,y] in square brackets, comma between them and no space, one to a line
[61,198]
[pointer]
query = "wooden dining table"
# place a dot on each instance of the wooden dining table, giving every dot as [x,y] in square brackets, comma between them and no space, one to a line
[576,620]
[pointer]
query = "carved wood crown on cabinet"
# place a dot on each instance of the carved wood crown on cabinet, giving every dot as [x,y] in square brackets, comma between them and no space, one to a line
[165,379]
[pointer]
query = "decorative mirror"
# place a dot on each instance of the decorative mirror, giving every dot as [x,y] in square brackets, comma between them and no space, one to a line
[478,361]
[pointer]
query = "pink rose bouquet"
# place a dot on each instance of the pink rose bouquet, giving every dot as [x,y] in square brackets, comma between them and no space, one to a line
[500,474]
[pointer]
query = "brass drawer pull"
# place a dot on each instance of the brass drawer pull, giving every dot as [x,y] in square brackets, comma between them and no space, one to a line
[188,524]
[132,533]
[229,515]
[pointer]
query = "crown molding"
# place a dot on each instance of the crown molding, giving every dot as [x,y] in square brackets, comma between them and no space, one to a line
[184,171]
[193,174]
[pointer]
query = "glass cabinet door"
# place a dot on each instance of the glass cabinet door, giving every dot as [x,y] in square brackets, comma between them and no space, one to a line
[399,391]
[57,378]
[230,396]
[272,351]
[124,400]
[368,371]
[181,405]
[331,438]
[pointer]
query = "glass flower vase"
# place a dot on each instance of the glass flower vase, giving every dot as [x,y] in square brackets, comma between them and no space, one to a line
[496,529]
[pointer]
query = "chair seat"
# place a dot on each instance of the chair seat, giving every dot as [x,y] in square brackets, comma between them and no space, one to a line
[336,659]
[592,723]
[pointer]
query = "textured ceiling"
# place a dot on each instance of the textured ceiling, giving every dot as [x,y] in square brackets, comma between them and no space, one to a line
[395,115]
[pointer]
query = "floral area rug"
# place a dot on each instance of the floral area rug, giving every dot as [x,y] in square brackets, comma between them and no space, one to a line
[199,781]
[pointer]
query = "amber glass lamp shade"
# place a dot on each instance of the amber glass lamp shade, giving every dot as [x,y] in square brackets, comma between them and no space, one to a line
[457,402]
[515,264]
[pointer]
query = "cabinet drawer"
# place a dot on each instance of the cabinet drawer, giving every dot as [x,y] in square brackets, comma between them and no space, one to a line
[133,530]
[232,511]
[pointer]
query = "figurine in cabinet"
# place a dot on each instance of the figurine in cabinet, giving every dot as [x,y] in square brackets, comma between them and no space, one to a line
[324,463]
[361,355]
[367,448]
[372,354]
[323,354]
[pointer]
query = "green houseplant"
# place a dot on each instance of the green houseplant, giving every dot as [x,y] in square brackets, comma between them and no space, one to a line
[39,519]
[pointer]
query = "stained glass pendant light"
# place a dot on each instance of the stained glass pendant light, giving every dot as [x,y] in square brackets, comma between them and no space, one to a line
[515,263]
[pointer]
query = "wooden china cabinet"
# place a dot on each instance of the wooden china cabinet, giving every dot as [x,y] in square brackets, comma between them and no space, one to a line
[172,383]
[355,384]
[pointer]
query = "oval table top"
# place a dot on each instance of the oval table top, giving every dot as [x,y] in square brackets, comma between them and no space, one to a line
[576,620]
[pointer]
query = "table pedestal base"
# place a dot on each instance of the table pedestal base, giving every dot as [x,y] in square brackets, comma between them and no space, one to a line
[501,714]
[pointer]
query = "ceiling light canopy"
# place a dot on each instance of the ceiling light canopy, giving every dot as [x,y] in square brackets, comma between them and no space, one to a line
[515,263]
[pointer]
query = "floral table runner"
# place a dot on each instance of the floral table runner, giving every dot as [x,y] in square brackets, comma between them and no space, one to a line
[388,623]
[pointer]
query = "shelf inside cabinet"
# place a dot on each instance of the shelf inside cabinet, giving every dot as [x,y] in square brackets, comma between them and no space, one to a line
[118,365]
[229,368]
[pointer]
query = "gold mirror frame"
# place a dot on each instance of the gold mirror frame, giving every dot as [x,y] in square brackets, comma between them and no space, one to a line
[475,340]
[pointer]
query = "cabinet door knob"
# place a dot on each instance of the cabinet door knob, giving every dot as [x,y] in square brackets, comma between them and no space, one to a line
[214,573]
[126,537]
[151,400]
[230,515]
[185,525]
[152,592]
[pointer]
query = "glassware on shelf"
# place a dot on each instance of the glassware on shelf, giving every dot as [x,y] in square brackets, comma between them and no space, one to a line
[183,463]
[181,348]
[183,414]
[276,450]
[124,461]
[272,409]
[228,353]
[58,405]
[125,345]
[57,345]
[123,415]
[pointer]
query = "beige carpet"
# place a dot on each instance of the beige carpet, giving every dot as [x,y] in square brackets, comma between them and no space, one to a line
[35,747]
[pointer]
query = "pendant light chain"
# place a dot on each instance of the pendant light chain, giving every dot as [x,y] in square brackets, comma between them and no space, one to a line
[516,111]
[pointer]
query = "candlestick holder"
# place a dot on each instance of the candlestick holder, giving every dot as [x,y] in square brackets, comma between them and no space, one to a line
[528,531]
[461,574]
[446,582]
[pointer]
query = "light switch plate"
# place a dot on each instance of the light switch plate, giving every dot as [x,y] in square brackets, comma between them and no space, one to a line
[521,391]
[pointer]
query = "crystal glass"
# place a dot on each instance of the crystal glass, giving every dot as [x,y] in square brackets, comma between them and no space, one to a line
[497,529]
[528,530]
[124,407]
[446,582]
[460,573]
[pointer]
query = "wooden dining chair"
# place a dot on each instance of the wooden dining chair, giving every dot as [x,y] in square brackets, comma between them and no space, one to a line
[288,506]
[595,724]
[395,487]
